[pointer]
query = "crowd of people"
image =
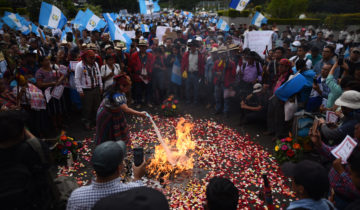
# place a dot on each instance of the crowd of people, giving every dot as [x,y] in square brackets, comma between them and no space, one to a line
[48,78]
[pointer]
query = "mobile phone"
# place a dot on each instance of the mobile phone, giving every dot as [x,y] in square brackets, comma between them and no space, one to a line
[341,59]
[138,156]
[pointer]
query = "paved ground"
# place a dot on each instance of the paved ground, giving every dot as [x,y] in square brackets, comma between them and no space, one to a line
[76,130]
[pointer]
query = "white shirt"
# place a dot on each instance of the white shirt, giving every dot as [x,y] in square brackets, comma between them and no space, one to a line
[105,71]
[83,79]
[308,61]
[193,61]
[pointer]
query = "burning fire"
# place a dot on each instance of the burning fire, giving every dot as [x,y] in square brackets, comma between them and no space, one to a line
[173,157]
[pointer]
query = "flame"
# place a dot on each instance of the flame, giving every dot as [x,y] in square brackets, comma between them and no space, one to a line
[177,156]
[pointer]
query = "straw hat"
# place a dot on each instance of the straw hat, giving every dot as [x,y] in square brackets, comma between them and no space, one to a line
[222,49]
[233,47]
[214,50]
[91,46]
[142,42]
[120,46]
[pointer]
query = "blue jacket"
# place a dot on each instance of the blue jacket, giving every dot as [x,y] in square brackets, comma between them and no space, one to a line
[311,204]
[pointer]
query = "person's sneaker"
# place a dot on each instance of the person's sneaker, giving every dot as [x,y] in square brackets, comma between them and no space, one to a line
[138,106]
[150,105]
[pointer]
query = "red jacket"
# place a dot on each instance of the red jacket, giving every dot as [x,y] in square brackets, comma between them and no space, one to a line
[228,75]
[135,66]
[185,63]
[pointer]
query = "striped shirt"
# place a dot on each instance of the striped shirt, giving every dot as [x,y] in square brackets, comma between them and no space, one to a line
[85,197]
[87,77]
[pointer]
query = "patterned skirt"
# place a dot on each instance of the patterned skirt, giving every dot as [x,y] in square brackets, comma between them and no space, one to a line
[111,125]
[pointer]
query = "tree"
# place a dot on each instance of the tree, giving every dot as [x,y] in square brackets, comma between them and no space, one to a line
[97,10]
[287,8]
[185,4]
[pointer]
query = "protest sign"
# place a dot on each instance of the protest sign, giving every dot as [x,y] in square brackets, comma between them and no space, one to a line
[160,32]
[47,94]
[131,34]
[258,40]
[331,117]
[57,91]
[344,149]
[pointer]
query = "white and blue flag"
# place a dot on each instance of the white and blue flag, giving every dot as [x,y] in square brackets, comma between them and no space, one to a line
[92,22]
[238,4]
[258,19]
[146,7]
[117,34]
[156,6]
[64,32]
[108,16]
[222,25]
[187,14]
[145,28]
[78,19]
[51,16]
[12,20]
[35,29]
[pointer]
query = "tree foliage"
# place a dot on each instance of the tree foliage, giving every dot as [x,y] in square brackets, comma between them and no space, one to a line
[116,5]
[287,8]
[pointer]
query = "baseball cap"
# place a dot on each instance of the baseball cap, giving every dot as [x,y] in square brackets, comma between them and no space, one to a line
[349,99]
[309,174]
[107,157]
[138,198]
[257,88]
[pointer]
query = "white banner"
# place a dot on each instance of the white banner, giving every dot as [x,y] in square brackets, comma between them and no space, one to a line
[160,31]
[258,40]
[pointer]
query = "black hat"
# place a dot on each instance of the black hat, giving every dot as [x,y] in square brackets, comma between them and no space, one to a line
[138,198]
[107,157]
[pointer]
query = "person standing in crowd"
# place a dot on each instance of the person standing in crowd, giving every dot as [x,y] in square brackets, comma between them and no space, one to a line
[121,57]
[109,70]
[250,73]
[192,68]
[301,54]
[276,115]
[110,120]
[224,72]
[159,76]
[173,62]
[314,56]
[353,62]
[89,85]
[140,69]
[208,76]
[46,78]
[319,41]
[328,57]
[320,90]
[272,70]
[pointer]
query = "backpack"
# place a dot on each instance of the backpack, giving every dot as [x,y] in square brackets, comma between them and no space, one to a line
[19,187]
[257,68]
[61,186]
[20,183]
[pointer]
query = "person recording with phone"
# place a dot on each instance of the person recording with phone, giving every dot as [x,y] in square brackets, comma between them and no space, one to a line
[108,163]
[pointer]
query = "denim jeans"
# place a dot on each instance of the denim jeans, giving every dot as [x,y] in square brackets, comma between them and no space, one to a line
[219,98]
[192,87]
